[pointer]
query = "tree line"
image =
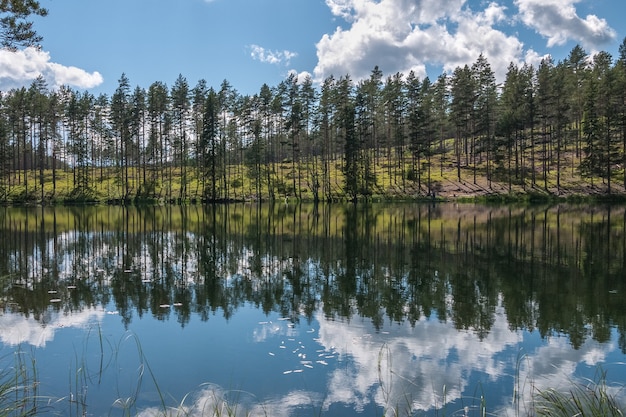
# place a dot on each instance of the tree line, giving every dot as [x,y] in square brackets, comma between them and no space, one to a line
[339,140]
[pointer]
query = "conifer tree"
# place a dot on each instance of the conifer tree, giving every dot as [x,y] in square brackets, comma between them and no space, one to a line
[15,30]
[121,124]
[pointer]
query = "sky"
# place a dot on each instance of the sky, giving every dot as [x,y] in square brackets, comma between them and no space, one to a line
[89,44]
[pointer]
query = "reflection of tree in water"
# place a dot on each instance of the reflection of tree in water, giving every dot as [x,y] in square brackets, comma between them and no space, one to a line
[557,270]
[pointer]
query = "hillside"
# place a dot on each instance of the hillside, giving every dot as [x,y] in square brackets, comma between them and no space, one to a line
[263,182]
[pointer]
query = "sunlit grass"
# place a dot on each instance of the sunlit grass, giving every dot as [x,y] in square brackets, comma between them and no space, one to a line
[394,175]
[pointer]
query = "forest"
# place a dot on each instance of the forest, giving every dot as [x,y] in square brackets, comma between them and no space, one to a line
[557,129]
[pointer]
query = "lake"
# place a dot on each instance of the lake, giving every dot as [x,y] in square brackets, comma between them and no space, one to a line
[282,310]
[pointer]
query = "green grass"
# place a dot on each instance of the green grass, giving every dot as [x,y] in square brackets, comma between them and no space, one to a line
[393,178]
[19,396]
[591,398]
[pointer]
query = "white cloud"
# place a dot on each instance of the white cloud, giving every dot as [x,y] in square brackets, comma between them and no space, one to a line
[271,57]
[558,21]
[404,35]
[20,68]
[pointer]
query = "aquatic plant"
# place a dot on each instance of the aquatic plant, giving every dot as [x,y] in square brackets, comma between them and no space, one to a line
[18,385]
[592,397]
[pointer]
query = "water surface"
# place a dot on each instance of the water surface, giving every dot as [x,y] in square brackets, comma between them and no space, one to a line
[304,310]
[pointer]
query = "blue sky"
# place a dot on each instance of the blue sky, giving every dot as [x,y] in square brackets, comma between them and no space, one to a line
[88,44]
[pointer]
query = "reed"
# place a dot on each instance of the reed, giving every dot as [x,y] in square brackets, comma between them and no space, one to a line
[591,398]
[18,385]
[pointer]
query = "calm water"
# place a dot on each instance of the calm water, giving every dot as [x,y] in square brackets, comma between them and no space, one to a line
[292,310]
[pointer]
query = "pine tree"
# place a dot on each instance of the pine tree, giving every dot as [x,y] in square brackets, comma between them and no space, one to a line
[180,108]
[198,100]
[121,124]
[227,99]
[461,111]
[15,30]
[138,133]
[485,110]
[394,97]
[210,146]
[325,122]
[38,99]
[160,125]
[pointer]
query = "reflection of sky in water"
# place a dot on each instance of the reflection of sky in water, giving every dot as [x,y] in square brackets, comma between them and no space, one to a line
[271,366]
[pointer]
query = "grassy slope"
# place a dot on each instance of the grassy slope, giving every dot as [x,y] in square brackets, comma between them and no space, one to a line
[389,182]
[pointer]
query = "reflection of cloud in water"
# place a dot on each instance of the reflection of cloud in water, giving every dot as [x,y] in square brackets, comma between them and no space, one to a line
[16,328]
[554,365]
[419,359]
[214,400]
[414,365]
[433,355]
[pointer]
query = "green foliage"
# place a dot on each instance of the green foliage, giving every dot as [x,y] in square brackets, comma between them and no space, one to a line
[25,197]
[81,195]
[558,128]
[15,30]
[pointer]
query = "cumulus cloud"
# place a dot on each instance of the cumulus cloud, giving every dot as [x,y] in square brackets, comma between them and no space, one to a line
[271,57]
[405,35]
[20,68]
[559,22]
